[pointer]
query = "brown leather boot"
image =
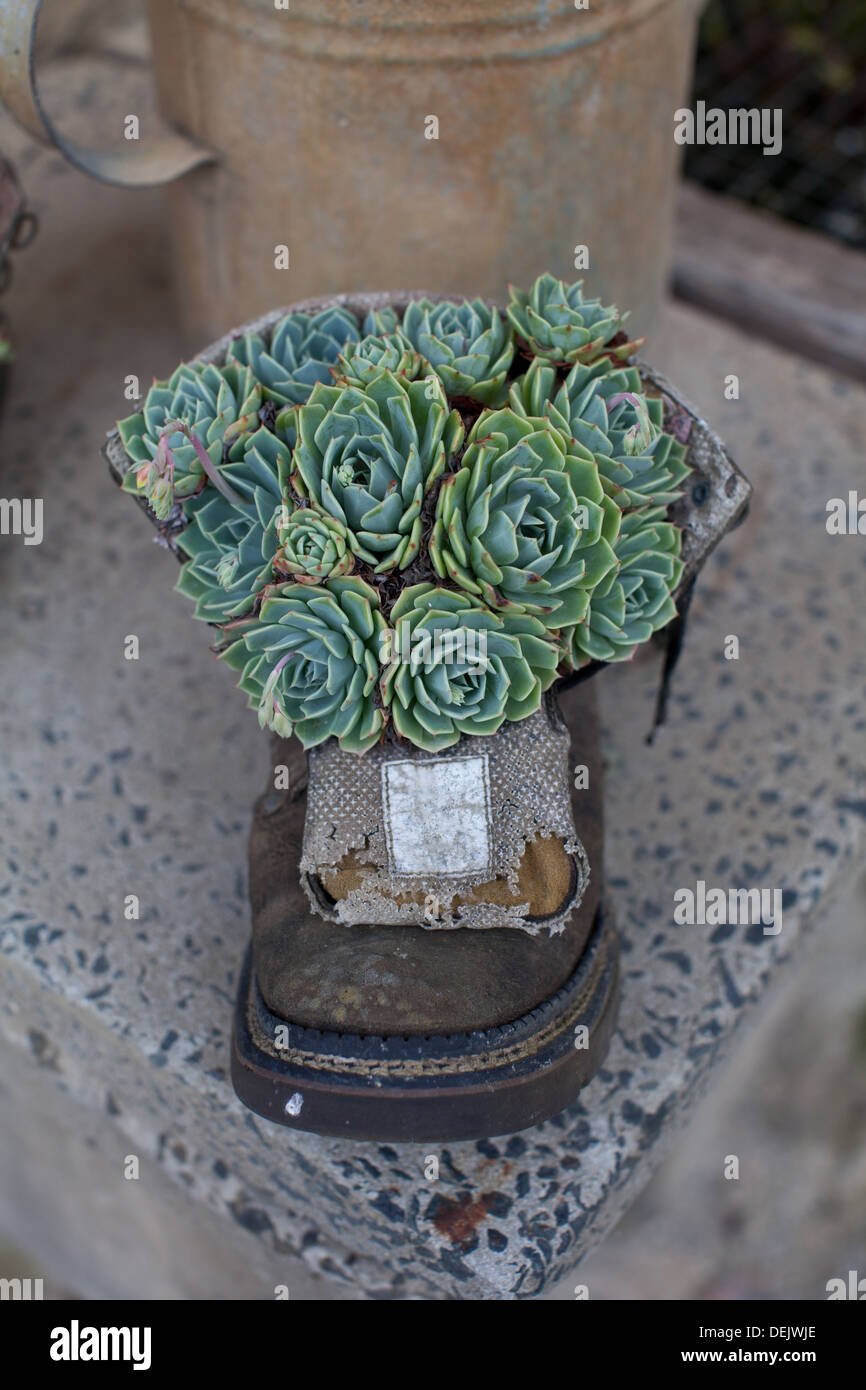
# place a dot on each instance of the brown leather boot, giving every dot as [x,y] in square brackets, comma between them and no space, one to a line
[399,1032]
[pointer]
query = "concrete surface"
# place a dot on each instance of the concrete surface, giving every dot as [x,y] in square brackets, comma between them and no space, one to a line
[136,777]
[790,1105]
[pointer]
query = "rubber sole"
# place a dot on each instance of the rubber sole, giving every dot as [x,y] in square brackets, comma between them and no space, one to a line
[418,1089]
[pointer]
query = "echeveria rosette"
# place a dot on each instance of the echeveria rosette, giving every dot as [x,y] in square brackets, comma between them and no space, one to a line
[300,351]
[231,545]
[525,523]
[469,346]
[378,321]
[309,662]
[359,362]
[219,405]
[606,410]
[367,457]
[555,321]
[455,668]
[636,599]
[312,547]
[610,413]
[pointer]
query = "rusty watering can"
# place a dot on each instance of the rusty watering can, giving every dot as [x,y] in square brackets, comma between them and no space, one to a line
[326,145]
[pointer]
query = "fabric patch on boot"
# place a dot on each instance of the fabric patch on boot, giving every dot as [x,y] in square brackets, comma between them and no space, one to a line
[443,846]
[437,815]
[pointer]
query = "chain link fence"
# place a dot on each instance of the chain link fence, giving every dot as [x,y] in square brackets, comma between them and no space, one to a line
[808,58]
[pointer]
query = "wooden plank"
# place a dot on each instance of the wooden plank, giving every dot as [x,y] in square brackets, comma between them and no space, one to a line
[794,287]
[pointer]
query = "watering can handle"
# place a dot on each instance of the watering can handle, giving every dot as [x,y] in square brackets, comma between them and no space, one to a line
[161,161]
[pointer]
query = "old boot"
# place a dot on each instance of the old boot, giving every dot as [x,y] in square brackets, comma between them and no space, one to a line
[402,1031]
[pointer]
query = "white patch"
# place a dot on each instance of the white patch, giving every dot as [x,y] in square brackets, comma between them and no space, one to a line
[437,815]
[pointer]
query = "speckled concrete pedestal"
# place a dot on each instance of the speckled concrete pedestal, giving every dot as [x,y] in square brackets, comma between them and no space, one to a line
[136,777]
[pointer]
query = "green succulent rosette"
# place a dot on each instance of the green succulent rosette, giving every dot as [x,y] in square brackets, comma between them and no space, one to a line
[379,321]
[231,545]
[219,405]
[359,362]
[312,547]
[455,668]
[309,662]
[469,346]
[636,599]
[555,321]
[525,523]
[368,457]
[607,410]
[300,351]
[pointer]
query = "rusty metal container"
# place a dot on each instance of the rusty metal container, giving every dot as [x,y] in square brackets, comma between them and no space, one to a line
[463,143]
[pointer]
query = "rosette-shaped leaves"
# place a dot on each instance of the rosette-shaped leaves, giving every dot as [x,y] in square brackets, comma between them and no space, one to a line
[378,321]
[454,668]
[231,545]
[309,662]
[359,362]
[636,599]
[367,458]
[300,351]
[219,405]
[607,411]
[556,322]
[468,345]
[524,522]
[313,547]
[611,415]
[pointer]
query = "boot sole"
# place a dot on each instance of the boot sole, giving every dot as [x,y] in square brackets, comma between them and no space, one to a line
[415,1089]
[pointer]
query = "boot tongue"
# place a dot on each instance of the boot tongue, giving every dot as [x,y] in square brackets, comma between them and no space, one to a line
[480,835]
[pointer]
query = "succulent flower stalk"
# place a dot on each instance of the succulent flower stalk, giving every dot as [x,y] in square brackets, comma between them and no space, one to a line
[201,410]
[231,542]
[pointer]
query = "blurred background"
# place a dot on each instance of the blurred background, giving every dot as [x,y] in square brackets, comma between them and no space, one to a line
[809,58]
[774,246]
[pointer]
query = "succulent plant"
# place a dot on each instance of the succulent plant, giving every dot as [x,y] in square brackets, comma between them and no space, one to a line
[300,351]
[309,662]
[468,345]
[312,547]
[367,458]
[359,362]
[378,321]
[636,599]
[456,668]
[218,405]
[556,322]
[231,545]
[525,523]
[607,411]
[322,449]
